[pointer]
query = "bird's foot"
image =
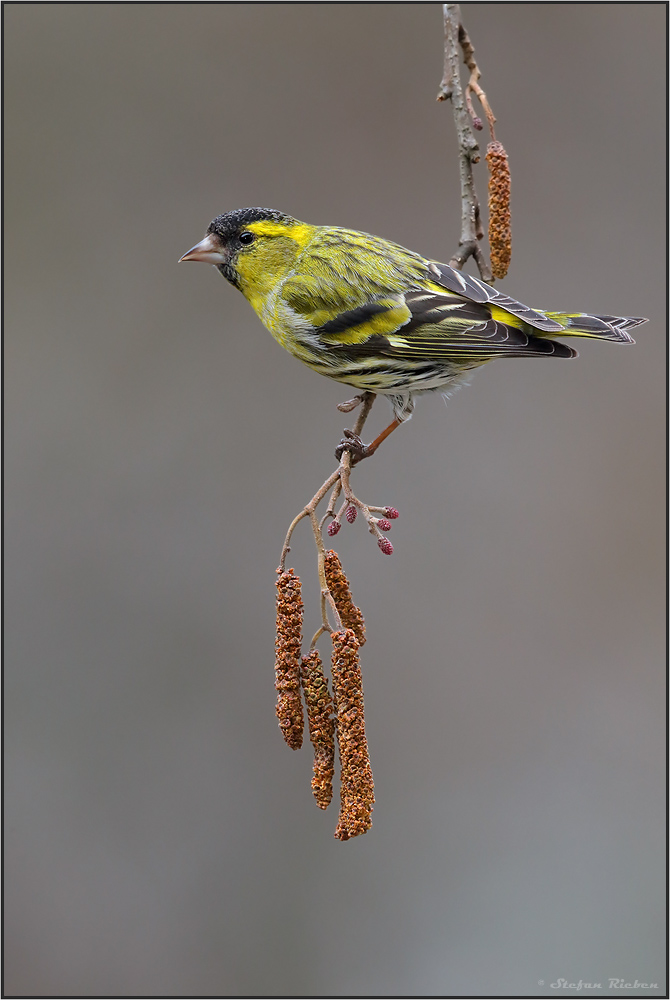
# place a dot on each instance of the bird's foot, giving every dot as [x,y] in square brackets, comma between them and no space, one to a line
[353,444]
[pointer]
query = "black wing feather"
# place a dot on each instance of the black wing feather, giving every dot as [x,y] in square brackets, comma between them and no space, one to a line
[479,291]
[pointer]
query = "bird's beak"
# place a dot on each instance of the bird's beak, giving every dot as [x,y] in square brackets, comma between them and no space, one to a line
[210,250]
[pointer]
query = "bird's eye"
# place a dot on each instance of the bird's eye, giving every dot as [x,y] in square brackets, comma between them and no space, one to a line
[247,238]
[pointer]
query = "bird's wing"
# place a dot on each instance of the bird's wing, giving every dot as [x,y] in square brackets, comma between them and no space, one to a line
[478,291]
[339,312]
[422,324]
[401,305]
[449,327]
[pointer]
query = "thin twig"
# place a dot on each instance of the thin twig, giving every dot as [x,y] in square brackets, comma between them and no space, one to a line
[363,507]
[326,596]
[305,512]
[468,147]
[367,400]
[338,482]
[473,83]
[330,510]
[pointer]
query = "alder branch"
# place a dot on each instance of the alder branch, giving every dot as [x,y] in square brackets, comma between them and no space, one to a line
[348,635]
[349,452]
[468,148]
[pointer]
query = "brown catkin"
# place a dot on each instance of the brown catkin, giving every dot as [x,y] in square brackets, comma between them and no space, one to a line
[321,726]
[338,585]
[500,231]
[287,658]
[356,783]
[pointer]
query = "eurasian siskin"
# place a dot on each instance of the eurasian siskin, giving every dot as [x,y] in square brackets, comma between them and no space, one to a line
[376,316]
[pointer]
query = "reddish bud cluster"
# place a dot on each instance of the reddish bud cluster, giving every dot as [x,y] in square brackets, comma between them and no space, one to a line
[385,546]
[383,524]
[287,658]
[391,512]
[351,514]
[333,528]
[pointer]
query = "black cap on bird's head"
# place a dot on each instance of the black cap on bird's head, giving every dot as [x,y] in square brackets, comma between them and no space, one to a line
[227,235]
[232,223]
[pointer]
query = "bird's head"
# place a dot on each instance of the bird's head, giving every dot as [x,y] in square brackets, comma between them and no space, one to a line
[252,247]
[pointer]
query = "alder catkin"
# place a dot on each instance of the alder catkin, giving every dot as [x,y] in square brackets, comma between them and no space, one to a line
[288,642]
[338,585]
[356,782]
[500,232]
[321,726]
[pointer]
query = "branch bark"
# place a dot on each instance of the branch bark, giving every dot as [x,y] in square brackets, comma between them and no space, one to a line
[468,148]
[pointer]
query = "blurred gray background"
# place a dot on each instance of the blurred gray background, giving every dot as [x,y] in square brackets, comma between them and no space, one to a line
[160,837]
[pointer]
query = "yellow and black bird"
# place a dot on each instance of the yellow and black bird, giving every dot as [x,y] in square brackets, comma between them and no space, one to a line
[376,316]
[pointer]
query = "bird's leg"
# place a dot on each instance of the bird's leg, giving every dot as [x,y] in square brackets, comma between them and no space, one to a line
[352,443]
[371,448]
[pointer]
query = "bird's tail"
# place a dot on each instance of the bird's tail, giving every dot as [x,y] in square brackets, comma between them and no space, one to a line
[600,327]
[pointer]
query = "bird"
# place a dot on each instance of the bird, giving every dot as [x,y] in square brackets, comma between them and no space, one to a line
[369,313]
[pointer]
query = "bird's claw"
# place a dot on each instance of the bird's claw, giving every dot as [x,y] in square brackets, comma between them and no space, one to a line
[353,444]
